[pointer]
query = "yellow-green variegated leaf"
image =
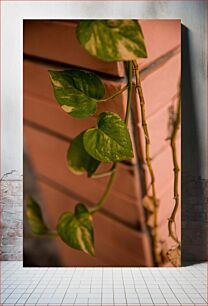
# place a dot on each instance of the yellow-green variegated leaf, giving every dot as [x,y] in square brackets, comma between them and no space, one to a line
[112,40]
[79,161]
[76,230]
[35,218]
[110,140]
[77,91]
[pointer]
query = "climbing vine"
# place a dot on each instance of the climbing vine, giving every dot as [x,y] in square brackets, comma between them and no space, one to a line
[78,92]
[174,253]
[153,197]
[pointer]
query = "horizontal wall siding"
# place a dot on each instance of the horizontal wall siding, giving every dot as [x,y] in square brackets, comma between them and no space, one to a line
[57,41]
[115,243]
[49,159]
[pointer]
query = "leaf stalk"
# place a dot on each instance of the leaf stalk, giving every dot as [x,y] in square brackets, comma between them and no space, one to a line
[106,192]
[114,95]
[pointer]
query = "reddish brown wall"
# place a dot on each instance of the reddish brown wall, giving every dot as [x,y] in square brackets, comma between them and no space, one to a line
[120,231]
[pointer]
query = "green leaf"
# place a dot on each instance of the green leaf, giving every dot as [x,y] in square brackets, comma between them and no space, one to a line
[112,40]
[76,230]
[174,256]
[110,140]
[79,161]
[77,91]
[35,218]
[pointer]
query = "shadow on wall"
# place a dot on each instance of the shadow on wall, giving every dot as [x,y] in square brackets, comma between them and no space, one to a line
[194,189]
[36,247]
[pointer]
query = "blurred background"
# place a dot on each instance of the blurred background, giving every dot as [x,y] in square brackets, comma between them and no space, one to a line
[122,236]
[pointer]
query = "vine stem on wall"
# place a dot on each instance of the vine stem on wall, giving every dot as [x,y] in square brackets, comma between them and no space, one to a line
[176,125]
[149,165]
[113,169]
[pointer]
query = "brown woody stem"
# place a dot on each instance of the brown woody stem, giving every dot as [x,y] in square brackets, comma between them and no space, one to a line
[149,164]
[176,170]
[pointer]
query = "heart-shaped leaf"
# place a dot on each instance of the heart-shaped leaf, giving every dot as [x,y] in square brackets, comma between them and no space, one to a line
[77,91]
[76,230]
[112,40]
[79,161]
[110,140]
[35,218]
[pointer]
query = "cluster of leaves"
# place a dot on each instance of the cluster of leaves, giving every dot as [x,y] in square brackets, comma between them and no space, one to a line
[78,92]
